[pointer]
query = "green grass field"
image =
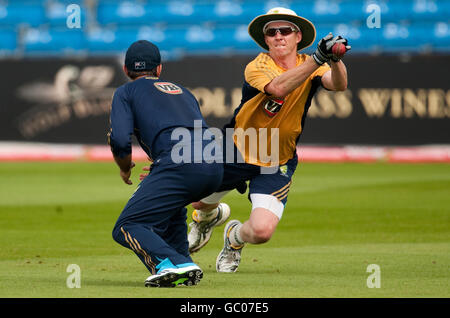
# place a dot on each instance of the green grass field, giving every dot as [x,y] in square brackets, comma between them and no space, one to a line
[339,219]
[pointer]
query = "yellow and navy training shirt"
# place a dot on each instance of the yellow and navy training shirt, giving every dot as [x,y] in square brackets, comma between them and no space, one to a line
[258,110]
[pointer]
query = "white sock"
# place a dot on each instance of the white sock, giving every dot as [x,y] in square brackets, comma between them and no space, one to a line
[235,236]
[206,215]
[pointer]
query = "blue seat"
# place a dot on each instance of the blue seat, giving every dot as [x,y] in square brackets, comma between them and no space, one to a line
[15,13]
[54,41]
[116,40]
[103,41]
[319,11]
[197,38]
[440,37]
[128,13]
[8,39]
[403,37]
[236,39]
[177,12]
[236,13]
[428,10]
[111,41]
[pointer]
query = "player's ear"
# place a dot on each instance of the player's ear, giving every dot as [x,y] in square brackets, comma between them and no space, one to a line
[299,36]
[125,70]
[158,70]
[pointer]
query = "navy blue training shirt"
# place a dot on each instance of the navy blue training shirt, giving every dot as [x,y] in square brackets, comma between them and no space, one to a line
[151,109]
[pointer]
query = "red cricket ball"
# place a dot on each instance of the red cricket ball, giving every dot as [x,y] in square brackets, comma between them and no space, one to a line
[339,49]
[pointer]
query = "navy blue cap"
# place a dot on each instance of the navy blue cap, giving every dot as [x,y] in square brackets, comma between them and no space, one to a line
[142,55]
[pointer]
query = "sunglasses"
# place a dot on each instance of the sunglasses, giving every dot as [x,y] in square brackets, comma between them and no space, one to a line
[282,30]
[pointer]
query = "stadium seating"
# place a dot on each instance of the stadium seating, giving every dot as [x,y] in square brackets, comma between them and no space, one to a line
[215,27]
[53,41]
[8,40]
[22,13]
[440,39]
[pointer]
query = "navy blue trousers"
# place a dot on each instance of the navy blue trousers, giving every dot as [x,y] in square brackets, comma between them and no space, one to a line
[153,222]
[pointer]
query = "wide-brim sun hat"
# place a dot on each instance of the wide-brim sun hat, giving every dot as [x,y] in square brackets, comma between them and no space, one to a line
[255,28]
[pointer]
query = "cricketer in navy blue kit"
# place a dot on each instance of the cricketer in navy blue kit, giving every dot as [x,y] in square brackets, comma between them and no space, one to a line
[153,222]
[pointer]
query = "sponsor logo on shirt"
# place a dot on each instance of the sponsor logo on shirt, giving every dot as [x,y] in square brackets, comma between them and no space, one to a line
[168,88]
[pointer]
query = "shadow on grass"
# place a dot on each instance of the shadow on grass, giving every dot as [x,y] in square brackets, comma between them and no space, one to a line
[113,283]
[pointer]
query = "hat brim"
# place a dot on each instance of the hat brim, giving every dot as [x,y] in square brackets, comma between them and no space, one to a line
[255,29]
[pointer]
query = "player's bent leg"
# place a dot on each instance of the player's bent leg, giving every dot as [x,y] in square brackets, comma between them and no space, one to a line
[203,221]
[164,272]
[176,233]
[148,244]
[260,227]
[267,211]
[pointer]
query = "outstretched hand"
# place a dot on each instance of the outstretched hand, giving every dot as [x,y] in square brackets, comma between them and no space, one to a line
[324,51]
[336,55]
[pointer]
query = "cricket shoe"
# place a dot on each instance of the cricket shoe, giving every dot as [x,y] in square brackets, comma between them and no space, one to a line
[229,258]
[201,230]
[188,274]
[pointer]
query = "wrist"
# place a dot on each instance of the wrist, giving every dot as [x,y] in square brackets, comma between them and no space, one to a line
[319,57]
[318,62]
[125,169]
[334,59]
[125,164]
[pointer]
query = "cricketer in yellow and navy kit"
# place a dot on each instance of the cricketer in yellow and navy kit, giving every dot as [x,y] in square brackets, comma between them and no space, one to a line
[259,110]
[153,222]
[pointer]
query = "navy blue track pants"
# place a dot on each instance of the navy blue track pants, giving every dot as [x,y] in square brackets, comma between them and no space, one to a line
[153,222]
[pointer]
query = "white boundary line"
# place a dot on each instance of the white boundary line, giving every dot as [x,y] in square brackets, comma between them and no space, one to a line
[29,151]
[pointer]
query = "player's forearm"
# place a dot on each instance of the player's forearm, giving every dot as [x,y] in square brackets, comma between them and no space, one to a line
[283,85]
[338,76]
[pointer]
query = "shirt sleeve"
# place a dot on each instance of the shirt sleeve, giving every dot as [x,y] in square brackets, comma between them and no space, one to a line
[121,122]
[320,71]
[258,73]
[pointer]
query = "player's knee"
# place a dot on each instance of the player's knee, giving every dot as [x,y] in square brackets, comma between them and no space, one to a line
[117,235]
[262,233]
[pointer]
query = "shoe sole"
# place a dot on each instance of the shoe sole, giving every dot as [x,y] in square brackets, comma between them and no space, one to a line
[188,278]
[208,235]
